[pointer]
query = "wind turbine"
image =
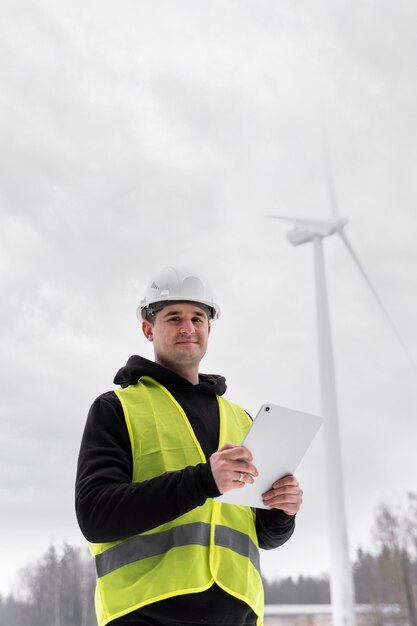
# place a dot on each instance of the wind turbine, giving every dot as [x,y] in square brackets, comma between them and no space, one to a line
[305,231]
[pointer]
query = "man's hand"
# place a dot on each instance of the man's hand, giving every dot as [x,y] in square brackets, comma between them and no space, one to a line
[232,467]
[285,495]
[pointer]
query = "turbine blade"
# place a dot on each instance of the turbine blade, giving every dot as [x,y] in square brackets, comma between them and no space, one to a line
[329,173]
[378,299]
[283,218]
[305,220]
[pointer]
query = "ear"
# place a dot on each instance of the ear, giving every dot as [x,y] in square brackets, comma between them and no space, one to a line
[147,330]
[209,328]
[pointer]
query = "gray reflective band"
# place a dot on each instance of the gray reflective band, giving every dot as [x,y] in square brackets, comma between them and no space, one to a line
[238,542]
[145,546]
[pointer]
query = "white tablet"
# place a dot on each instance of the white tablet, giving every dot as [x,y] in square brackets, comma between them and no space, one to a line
[278,439]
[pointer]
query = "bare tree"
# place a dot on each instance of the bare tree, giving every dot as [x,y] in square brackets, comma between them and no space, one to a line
[59,588]
[396,536]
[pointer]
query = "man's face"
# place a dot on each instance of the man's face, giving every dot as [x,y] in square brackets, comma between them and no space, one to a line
[179,334]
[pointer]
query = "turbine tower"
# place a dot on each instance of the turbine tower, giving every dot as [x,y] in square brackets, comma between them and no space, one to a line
[305,231]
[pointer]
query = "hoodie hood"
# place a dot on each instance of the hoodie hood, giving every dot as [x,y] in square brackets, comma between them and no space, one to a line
[138,366]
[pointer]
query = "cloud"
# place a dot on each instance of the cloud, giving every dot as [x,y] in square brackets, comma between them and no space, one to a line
[138,135]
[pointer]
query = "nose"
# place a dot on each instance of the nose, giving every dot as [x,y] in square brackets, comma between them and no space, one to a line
[187,328]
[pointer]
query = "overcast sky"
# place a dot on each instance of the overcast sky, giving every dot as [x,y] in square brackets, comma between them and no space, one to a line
[140,134]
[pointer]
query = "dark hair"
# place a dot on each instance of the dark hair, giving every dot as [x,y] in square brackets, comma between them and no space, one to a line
[154,308]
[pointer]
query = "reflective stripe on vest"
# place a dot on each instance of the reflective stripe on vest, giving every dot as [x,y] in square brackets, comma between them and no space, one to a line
[145,546]
[214,543]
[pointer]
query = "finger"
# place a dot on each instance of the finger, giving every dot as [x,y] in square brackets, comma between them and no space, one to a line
[228,446]
[289,480]
[244,477]
[284,494]
[272,496]
[246,468]
[238,453]
[289,509]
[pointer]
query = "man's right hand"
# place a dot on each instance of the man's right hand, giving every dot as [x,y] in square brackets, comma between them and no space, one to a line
[232,467]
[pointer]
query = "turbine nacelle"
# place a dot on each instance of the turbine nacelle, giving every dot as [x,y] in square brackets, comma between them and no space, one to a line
[305,229]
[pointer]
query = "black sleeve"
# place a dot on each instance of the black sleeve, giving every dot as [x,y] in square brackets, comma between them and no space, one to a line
[108,505]
[273,527]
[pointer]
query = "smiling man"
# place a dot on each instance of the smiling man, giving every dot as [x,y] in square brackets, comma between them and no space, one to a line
[153,457]
[180,336]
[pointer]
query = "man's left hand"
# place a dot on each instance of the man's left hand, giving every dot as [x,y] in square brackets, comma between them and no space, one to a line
[285,494]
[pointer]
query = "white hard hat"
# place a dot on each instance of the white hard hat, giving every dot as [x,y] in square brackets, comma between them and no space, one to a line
[178,284]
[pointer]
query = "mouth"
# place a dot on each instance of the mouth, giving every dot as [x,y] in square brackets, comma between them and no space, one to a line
[186,342]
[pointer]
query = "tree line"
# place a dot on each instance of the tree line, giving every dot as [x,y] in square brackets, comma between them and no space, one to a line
[58,590]
[389,575]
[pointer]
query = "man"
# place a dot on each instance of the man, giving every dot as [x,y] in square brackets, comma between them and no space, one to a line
[153,456]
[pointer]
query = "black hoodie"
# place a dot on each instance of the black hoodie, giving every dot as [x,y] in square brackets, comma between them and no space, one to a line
[109,506]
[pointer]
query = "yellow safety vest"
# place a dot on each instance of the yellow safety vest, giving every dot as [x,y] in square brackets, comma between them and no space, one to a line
[213,543]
